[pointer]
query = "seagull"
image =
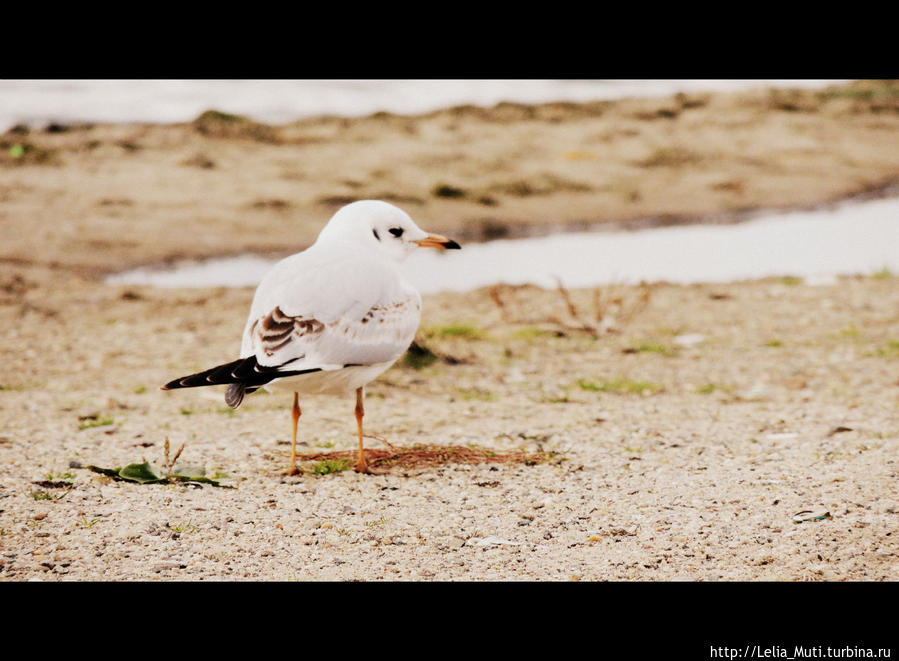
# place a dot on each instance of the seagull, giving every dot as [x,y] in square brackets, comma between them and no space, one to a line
[332,318]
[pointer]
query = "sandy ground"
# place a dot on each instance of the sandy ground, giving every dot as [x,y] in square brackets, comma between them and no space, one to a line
[682,427]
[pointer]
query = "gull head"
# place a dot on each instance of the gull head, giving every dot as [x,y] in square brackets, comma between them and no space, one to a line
[381,228]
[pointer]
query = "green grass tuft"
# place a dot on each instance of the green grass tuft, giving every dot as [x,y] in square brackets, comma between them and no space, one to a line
[181,528]
[418,356]
[68,476]
[95,421]
[532,333]
[476,394]
[40,494]
[653,347]
[620,385]
[327,466]
[457,330]
[889,349]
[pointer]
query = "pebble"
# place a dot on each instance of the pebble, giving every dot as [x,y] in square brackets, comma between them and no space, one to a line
[689,339]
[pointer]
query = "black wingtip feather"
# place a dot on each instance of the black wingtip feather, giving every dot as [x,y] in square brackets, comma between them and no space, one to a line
[243,371]
[234,394]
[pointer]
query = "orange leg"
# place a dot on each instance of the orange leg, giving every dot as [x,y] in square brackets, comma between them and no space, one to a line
[292,470]
[361,466]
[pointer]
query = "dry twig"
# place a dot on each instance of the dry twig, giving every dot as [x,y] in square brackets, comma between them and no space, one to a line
[608,315]
[418,456]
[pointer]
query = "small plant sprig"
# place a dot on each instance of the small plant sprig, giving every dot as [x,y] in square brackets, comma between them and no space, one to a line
[66,484]
[181,527]
[38,494]
[170,465]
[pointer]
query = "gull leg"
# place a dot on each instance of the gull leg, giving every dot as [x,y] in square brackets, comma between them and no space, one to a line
[292,470]
[361,466]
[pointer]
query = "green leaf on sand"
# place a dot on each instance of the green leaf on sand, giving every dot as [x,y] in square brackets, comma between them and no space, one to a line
[146,473]
[143,473]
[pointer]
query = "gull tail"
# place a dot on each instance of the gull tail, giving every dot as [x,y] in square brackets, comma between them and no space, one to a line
[243,376]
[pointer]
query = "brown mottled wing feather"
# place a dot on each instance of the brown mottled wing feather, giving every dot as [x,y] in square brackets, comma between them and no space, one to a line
[380,333]
[276,330]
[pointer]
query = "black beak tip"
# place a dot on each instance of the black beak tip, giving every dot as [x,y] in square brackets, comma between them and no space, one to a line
[452,245]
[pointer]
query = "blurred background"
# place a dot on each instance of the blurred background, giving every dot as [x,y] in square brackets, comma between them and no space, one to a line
[724,178]
[37,103]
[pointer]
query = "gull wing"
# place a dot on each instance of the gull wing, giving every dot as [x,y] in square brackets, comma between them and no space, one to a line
[316,312]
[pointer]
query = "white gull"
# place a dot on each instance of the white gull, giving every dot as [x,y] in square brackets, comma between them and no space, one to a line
[332,318]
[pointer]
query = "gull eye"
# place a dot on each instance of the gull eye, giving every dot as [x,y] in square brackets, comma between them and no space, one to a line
[396,231]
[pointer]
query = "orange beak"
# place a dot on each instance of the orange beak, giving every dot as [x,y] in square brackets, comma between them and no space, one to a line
[437,241]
